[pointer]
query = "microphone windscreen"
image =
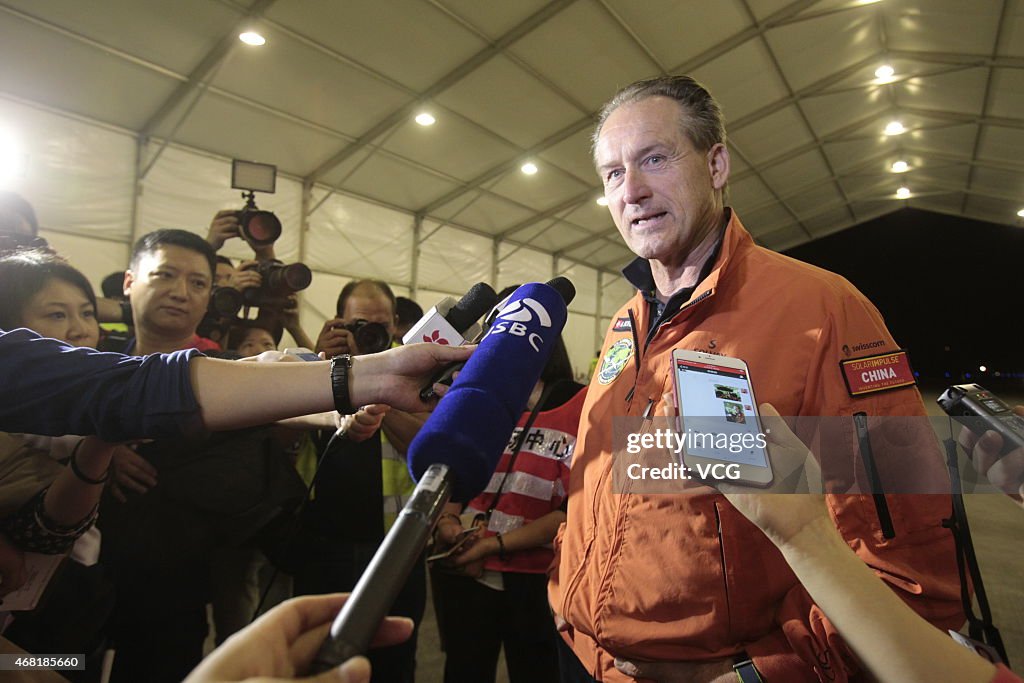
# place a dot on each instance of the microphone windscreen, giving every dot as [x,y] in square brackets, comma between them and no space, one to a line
[477,301]
[563,286]
[470,427]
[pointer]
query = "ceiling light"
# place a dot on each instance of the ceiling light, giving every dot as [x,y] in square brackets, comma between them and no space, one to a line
[603,201]
[894,128]
[884,72]
[529,168]
[1021,213]
[425,119]
[252,38]
[900,167]
[903,193]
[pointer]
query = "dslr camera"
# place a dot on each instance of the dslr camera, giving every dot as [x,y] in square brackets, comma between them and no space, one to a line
[259,228]
[369,337]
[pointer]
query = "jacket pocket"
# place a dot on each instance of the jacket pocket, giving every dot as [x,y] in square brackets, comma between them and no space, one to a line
[755,573]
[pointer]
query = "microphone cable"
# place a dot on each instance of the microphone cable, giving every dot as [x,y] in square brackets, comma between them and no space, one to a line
[297,521]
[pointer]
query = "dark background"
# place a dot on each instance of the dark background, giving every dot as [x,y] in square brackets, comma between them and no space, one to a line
[949,288]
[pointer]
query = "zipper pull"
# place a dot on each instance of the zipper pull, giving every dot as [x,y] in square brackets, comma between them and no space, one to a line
[647,410]
[636,355]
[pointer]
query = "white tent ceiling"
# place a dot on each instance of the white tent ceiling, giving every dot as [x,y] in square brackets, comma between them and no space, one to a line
[331,98]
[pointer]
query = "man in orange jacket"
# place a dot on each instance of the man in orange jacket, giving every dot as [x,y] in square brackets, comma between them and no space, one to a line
[683,577]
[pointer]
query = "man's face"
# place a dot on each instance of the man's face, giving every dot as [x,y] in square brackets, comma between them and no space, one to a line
[664,195]
[223,275]
[371,306]
[169,290]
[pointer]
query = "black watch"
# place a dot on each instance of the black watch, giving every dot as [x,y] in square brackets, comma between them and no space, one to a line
[745,670]
[340,366]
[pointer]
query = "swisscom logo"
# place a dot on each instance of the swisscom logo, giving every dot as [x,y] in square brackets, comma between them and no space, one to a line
[513,317]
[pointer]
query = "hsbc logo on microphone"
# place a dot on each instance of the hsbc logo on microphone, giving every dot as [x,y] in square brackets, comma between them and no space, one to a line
[513,320]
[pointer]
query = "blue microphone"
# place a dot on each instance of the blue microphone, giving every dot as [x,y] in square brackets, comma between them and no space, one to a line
[470,427]
[455,452]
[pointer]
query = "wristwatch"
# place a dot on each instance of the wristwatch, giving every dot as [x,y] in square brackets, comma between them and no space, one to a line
[745,670]
[340,366]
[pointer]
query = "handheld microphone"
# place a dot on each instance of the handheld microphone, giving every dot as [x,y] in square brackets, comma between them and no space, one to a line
[451,322]
[470,427]
[454,454]
[560,284]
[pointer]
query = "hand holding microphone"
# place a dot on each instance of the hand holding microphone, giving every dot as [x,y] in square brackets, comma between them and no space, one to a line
[455,452]
[445,376]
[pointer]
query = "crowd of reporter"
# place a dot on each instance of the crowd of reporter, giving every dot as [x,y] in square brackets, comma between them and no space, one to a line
[157,530]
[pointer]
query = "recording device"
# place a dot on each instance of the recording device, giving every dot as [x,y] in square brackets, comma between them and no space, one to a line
[454,454]
[373,595]
[453,323]
[471,425]
[980,411]
[259,228]
[369,337]
[560,284]
[225,302]
[460,540]
[279,281]
[718,419]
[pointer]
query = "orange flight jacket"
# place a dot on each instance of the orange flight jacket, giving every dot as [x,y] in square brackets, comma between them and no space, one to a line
[684,577]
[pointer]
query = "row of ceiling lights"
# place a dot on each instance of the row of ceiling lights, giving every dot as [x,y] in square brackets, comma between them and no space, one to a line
[884,74]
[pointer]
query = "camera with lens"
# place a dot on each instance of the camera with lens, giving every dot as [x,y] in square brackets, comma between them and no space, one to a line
[369,337]
[259,228]
[279,281]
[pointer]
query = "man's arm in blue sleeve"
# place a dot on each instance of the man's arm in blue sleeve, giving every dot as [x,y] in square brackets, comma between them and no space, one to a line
[48,387]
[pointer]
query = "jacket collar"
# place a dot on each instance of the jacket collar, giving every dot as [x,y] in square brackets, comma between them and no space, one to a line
[736,242]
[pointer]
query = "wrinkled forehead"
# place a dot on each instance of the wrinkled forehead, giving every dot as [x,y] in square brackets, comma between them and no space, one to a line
[369,305]
[639,124]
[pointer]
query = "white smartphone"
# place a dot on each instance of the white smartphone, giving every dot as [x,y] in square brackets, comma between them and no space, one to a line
[719,429]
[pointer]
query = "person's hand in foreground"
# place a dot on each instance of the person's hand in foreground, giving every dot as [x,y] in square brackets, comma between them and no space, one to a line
[394,377]
[280,645]
[777,510]
[397,375]
[779,513]
[365,422]
[1005,472]
[130,474]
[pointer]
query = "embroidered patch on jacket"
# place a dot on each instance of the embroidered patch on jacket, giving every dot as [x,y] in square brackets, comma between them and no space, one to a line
[882,372]
[618,355]
[621,325]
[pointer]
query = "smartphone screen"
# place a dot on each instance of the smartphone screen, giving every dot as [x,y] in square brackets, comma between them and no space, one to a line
[718,412]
